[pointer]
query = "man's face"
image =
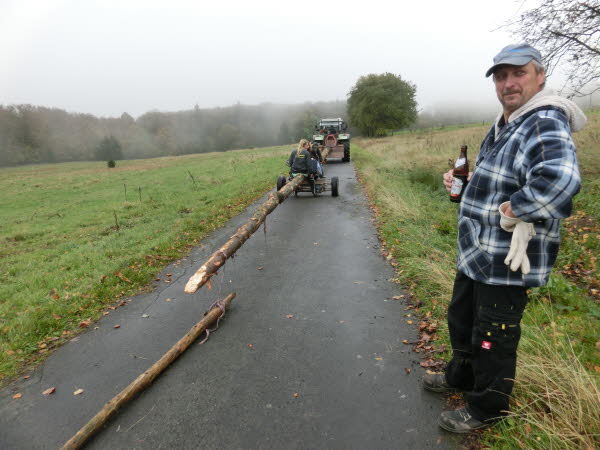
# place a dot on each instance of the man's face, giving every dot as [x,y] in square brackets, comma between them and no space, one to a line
[515,85]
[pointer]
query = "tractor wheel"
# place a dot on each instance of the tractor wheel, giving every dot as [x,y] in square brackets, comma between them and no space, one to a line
[346,157]
[280,182]
[334,186]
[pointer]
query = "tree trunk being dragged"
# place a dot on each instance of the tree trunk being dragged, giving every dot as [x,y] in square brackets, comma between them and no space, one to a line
[146,379]
[243,233]
[218,258]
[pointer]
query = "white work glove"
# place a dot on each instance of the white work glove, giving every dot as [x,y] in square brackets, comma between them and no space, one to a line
[522,234]
[507,223]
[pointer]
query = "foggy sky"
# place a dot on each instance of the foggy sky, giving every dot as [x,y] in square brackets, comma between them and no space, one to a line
[108,57]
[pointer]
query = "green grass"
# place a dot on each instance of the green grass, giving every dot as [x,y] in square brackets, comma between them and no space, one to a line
[555,403]
[74,237]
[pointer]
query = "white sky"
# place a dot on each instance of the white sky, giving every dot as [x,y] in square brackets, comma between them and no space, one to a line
[106,57]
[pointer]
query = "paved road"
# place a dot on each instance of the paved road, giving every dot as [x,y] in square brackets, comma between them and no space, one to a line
[341,352]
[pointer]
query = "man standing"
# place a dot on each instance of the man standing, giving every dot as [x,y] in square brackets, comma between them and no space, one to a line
[525,177]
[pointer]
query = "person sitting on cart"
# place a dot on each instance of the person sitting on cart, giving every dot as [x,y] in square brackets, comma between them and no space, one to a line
[317,159]
[300,159]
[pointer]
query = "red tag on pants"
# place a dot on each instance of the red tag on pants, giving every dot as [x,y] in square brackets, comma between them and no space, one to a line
[486,344]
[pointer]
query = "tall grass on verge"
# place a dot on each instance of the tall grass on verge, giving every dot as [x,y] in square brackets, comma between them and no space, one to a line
[556,398]
[557,401]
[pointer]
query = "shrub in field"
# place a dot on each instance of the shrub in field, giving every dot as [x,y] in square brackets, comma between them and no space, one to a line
[111,163]
[108,149]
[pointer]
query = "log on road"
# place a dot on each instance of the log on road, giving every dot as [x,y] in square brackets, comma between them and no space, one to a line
[243,233]
[146,379]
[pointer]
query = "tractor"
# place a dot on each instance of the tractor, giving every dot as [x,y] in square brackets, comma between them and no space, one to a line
[332,133]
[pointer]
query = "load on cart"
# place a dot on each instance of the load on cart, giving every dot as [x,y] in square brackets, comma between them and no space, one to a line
[307,160]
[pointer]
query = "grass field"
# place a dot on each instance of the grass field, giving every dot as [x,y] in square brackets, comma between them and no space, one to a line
[75,237]
[557,396]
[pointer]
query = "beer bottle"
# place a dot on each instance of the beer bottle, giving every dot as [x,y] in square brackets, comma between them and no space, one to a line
[461,172]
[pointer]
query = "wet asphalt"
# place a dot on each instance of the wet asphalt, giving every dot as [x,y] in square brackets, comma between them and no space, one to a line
[310,355]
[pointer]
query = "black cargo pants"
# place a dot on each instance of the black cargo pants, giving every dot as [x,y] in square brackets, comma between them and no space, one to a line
[484,324]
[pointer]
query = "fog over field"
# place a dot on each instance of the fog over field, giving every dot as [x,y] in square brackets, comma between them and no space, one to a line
[109,57]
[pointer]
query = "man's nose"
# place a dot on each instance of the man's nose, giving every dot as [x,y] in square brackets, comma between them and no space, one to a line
[510,81]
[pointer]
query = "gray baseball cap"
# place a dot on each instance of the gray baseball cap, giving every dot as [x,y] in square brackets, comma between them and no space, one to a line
[515,55]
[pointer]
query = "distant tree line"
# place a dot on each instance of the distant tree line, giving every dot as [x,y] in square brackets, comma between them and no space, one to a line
[34,134]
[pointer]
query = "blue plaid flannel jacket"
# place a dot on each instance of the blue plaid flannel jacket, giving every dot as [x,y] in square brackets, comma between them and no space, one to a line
[532,163]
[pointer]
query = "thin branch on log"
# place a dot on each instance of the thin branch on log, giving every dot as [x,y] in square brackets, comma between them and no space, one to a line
[243,233]
[146,379]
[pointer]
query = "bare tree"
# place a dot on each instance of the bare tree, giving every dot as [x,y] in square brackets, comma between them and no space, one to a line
[566,32]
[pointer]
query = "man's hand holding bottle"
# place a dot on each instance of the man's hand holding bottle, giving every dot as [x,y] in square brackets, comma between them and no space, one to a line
[448,177]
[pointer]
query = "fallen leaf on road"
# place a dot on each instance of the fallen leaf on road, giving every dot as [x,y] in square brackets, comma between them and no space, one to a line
[405,341]
[17,396]
[409,322]
[145,316]
[169,274]
[315,243]
[341,321]
[359,282]
[49,391]
[296,395]
[78,392]
[26,377]
[167,299]
[85,323]
[250,345]
[117,326]
[379,358]
[398,297]
[208,285]
[289,316]
[260,268]
[105,313]
[425,337]
[431,363]
[407,370]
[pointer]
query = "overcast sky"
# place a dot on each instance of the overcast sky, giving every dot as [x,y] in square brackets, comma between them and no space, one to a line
[107,57]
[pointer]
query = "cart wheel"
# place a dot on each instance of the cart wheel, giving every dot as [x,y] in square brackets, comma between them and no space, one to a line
[313,187]
[280,182]
[334,186]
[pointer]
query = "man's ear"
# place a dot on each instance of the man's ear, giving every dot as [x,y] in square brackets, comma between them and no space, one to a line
[541,79]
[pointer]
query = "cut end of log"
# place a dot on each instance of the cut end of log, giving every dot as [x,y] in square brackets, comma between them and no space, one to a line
[196,281]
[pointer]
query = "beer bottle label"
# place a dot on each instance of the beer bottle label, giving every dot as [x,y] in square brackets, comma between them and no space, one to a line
[457,185]
[460,162]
